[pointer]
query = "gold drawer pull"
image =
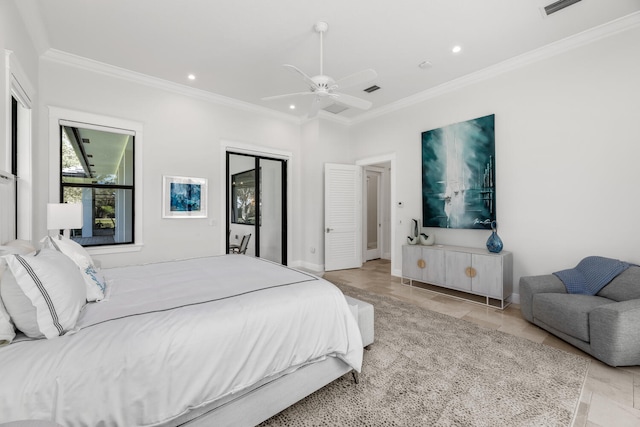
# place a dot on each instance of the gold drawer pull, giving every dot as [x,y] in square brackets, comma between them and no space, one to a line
[470,272]
[421,263]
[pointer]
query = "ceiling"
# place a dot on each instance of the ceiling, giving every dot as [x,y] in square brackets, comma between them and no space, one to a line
[236,48]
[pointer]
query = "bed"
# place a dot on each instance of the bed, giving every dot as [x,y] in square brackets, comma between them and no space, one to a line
[226,340]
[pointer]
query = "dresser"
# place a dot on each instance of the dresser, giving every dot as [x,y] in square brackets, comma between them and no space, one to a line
[473,271]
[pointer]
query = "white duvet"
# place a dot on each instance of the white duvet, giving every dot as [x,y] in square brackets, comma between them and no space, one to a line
[211,327]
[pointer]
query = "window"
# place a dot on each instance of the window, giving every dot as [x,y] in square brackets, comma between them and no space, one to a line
[21,157]
[97,170]
[243,196]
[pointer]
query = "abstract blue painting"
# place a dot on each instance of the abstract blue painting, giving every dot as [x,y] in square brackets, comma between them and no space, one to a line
[185,197]
[458,175]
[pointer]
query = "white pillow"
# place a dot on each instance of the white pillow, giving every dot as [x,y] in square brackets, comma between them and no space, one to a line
[43,293]
[7,329]
[93,279]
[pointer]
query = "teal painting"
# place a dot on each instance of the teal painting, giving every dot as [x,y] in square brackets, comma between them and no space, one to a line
[185,197]
[458,175]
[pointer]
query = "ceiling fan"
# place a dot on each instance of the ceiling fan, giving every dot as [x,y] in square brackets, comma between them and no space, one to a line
[324,87]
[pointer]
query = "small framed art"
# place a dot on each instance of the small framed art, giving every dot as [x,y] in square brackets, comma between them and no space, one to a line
[184,197]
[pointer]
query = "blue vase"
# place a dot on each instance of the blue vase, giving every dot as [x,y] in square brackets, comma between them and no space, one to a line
[494,242]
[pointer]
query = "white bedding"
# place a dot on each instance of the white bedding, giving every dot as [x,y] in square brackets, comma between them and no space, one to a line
[147,369]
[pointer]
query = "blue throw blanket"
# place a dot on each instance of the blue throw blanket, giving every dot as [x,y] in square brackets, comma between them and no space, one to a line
[591,274]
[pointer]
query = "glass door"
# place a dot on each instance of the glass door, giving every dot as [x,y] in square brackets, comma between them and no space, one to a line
[256,206]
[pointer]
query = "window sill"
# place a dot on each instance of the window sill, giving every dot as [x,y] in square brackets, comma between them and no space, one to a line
[114,249]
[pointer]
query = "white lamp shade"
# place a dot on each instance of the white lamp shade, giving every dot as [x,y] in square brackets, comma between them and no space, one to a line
[64,216]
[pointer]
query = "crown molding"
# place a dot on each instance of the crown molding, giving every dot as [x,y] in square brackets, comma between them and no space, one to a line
[91,65]
[586,37]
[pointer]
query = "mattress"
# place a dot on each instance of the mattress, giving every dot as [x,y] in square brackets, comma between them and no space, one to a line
[176,336]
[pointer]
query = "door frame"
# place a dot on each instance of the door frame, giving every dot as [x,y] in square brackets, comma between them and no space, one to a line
[380,200]
[252,150]
[395,247]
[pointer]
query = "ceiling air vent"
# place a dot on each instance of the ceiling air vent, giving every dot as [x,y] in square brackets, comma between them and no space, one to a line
[372,89]
[335,108]
[559,5]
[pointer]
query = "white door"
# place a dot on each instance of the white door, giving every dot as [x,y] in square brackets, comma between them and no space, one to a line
[342,216]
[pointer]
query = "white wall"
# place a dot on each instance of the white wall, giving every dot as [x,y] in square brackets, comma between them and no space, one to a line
[323,141]
[182,137]
[18,56]
[567,150]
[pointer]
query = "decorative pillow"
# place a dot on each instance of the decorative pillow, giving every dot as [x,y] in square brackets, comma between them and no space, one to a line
[43,293]
[93,279]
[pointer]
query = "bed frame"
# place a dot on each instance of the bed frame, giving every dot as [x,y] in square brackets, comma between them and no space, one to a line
[266,400]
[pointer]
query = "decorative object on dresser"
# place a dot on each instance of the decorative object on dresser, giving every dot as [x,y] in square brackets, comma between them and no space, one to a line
[494,242]
[469,270]
[458,175]
[427,240]
[414,238]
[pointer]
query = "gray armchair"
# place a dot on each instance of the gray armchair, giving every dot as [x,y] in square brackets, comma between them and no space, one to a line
[605,325]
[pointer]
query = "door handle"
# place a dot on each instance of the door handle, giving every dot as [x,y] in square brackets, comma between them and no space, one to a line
[329,229]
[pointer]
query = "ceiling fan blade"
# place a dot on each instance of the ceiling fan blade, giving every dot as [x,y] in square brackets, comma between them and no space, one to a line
[301,74]
[351,101]
[360,77]
[315,107]
[286,95]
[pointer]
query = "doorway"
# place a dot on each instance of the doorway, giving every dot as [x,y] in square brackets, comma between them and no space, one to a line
[386,212]
[373,215]
[256,204]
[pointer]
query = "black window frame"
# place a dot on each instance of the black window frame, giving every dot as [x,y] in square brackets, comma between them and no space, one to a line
[14,158]
[131,187]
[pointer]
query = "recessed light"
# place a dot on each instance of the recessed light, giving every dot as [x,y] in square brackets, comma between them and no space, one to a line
[292,107]
[191,77]
[456,49]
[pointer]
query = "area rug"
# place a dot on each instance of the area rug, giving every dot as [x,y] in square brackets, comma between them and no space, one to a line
[429,369]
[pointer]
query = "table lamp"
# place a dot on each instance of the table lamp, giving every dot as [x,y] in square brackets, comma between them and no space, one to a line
[64,216]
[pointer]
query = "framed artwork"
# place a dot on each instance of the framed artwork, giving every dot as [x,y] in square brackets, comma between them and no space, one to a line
[184,197]
[458,175]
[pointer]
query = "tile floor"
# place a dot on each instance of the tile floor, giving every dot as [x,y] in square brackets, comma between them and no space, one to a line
[611,396]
